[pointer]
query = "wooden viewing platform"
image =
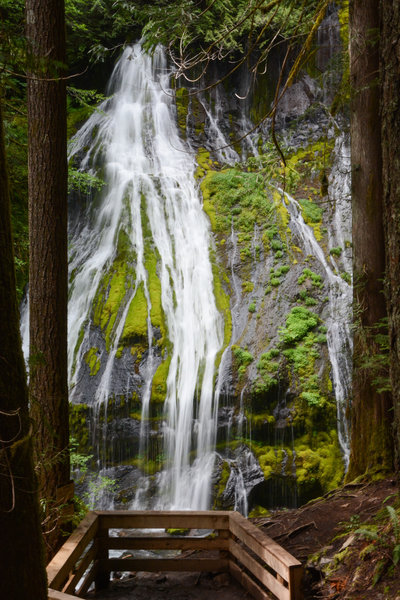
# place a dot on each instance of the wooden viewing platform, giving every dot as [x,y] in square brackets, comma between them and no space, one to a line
[258,563]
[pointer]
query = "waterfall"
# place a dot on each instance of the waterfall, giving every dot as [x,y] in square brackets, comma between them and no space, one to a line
[132,141]
[339,335]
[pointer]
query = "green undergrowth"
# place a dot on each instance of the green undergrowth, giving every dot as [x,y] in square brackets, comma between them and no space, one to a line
[365,554]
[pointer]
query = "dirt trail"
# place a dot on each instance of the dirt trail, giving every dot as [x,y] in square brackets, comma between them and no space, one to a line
[312,529]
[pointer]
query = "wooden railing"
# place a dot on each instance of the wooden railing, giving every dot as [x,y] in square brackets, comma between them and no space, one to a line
[255,560]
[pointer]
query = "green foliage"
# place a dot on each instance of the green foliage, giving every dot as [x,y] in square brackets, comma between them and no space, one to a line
[97,487]
[311,276]
[82,182]
[312,213]
[95,29]
[375,356]
[243,357]
[267,369]
[247,286]
[385,537]
[336,251]
[221,25]
[78,460]
[346,277]
[298,323]
[232,196]
[252,307]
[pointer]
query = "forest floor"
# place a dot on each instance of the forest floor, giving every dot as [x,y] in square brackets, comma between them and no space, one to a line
[348,541]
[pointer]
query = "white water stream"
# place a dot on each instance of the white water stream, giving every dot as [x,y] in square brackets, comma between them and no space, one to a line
[132,142]
[339,335]
[134,139]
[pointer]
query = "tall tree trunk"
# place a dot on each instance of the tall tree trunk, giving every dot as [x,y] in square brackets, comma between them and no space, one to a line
[22,571]
[371,445]
[47,187]
[390,85]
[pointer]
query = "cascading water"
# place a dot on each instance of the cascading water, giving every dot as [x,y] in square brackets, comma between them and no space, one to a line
[132,139]
[339,336]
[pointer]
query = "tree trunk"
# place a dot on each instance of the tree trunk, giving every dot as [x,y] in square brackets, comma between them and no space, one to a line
[371,441]
[390,102]
[22,572]
[47,187]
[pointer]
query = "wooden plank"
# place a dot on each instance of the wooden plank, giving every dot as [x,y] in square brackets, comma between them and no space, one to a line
[55,595]
[296,583]
[245,581]
[89,557]
[164,519]
[167,564]
[261,574]
[64,561]
[265,547]
[164,543]
[87,582]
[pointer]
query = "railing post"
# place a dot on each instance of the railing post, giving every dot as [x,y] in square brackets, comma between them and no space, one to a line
[102,577]
[224,534]
[296,582]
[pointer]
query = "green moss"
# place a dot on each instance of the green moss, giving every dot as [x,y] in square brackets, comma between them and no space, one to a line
[182,106]
[154,285]
[270,459]
[298,323]
[204,163]
[177,531]
[78,345]
[258,511]
[238,195]
[92,360]
[220,487]
[260,419]
[247,286]
[113,288]
[79,415]
[222,302]
[242,357]
[159,383]
[136,320]
[319,460]
[312,213]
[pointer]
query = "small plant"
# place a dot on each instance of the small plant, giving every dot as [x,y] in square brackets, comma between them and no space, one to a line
[315,279]
[247,286]
[298,323]
[385,540]
[346,277]
[336,251]
[243,357]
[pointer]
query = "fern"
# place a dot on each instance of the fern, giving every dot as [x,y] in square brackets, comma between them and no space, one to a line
[367,533]
[394,517]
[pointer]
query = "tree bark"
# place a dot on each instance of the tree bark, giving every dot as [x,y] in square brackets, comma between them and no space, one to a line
[371,440]
[47,188]
[22,570]
[390,102]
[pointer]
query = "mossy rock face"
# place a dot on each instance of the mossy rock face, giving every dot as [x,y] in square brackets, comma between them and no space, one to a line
[159,383]
[280,375]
